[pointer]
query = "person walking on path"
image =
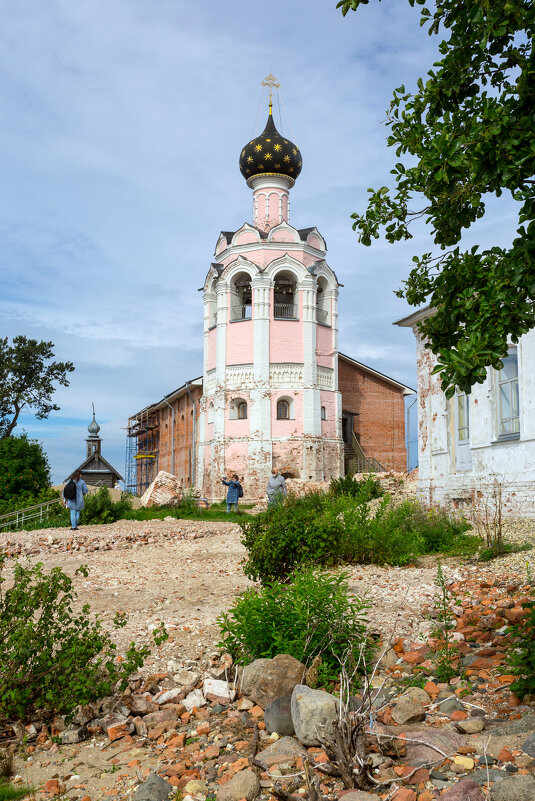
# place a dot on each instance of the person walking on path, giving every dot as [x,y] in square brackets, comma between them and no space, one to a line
[276,488]
[77,504]
[233,492]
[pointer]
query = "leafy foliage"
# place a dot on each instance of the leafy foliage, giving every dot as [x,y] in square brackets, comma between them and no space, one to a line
[9,792]
[51,657]
[364,489]
[447,652]
[311,616]
[324,530]
[100,508]
[27,381]
[24,469]
[521,658]
[465,133]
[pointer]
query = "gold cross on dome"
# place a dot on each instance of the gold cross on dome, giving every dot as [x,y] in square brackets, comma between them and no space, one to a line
[272,82]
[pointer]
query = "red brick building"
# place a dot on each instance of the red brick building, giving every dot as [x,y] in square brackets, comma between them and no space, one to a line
[165,434]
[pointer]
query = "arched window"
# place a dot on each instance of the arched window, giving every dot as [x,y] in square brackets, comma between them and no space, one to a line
[283,410]
[210,417]
[323,413]
[241,297]
[285,296]
[242,410]
[322,302]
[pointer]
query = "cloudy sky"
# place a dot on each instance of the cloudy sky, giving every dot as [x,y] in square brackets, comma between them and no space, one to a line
[122,122]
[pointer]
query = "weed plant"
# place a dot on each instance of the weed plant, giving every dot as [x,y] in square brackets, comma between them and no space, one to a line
[8,792]
[321,529]
[52,658]
[521,657]
[364,489]
[502,548]
[447,654]
[308,617]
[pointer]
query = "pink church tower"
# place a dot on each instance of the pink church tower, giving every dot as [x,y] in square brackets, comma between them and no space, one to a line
[270,384]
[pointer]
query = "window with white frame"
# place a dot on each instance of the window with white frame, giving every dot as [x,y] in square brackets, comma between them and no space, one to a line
[461,415]
[508,400]
[238,409]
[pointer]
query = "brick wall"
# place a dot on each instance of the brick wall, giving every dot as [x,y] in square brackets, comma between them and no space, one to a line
[183,409]
[380,414]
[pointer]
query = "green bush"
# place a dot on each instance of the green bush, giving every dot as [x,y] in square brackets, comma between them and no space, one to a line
[24,468]
[311,616]
[298,531]
[10,793]
[52,659]
[325,529]
[364,489]
[99,507]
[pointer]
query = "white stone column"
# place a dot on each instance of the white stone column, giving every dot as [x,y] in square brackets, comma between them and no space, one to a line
[264,185]
[311,395]
[260,448]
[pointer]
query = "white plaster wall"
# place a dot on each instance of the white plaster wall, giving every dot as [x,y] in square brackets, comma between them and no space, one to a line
[511,461]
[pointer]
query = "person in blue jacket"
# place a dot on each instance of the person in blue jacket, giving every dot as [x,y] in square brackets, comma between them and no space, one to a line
[77,504]
[233,492]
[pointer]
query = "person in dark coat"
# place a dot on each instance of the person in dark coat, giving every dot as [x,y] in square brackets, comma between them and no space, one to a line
[77,504]
[276,488]
[233,492]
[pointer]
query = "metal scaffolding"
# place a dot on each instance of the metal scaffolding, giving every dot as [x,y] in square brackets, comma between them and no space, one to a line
[142,447]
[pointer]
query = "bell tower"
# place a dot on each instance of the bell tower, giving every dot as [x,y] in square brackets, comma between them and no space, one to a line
[94,442]
[270,386]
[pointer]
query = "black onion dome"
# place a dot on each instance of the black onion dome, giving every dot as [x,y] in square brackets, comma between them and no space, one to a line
[270,154]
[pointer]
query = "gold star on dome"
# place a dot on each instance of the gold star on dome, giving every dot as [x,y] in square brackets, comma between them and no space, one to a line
[277,147]
[291,169]
[285,142]
[248,171]
[249,158]
[267,156]
[298,163]
[286,158]
[258,147]
[295,151]
[277,166]
[260,166]
[268,140]
[243,152]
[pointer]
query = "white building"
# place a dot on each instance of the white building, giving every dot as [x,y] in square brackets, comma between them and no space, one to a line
[469,441]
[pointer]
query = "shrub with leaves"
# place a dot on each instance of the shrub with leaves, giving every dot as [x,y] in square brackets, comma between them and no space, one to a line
[325,530]
[363,489]
[311,616]
[52,658]
[100,508]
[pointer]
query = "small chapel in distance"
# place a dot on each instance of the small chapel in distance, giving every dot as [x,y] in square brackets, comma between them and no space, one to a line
[275,391]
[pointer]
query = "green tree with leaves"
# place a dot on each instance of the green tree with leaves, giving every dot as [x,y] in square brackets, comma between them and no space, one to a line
[24,468]
[27,380]
[466,133]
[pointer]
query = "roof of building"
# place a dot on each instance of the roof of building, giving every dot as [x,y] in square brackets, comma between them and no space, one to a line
[406,390]
[270,154]
[96,458]
[411,319]
[177,393]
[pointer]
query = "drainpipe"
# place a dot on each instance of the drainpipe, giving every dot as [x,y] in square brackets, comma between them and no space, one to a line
[193,430]
[172,438]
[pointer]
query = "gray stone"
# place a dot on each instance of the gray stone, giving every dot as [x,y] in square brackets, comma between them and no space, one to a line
[75,735]
[170,695]
[245,784]
[417,694]
[266,679]
[515,788]
[470,725]
[408,711]
[466,790]
[278,716]
[359,795]
[143,705]
[523,725]
[311,709]
[445,739]
[528,746]
[195,698]
[154,789]
[389,659]
[452,705]
[495,775]
[83,714]
[284,750]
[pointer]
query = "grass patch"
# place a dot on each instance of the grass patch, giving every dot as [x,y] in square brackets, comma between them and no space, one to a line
[502,549]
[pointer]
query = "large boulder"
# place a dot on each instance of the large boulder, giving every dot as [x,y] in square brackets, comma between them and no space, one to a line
[312,709]
[266,679]
[245,784]
[278,716]
[466,790]
[165,490]
[517,788]
[154,789]
[284,750]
